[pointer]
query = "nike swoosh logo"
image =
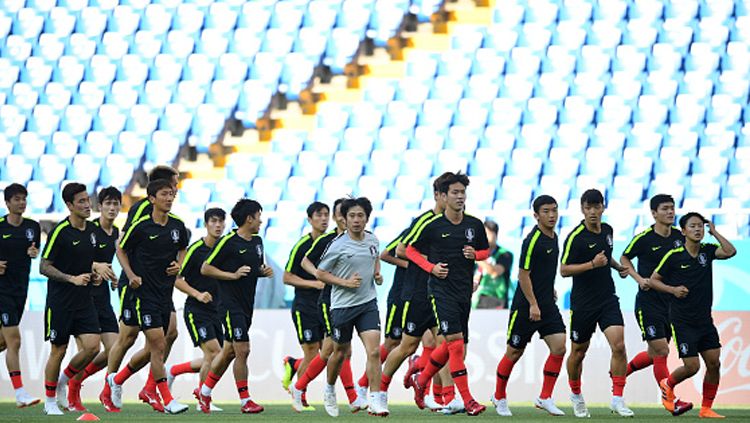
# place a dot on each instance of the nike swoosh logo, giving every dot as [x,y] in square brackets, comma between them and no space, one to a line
[153,236]
[655,248]
[445,235]
[76,242]
[7,236]
[242,251]
[549,251]
[102,245]
[349,255]
[592,245]
[684,266]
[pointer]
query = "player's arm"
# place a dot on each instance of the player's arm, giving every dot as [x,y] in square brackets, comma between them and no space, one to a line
[656,281]
[482,251]
[569,268]
[291,279]
[47,268]
[214,272]
[378,278]
[308,266]
[329,278]
[726,249]
[396,261]
[183,285]
[524,281]
[624,271]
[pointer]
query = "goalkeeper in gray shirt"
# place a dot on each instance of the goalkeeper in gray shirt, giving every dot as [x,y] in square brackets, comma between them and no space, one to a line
[350,264]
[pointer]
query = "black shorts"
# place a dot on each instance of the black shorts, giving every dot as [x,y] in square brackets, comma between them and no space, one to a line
[521,329]
[363,316]
[324,317]
[11,310]
[107,318]
[237,325]
[60,323]
[203,325]
[583,322]
[128,313]
[417,318]
[307,324]
[653,321]
[695,337]
[393,318]
[152,315]
[452,316]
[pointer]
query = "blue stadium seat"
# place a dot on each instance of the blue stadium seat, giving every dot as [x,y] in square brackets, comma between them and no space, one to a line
[85,169]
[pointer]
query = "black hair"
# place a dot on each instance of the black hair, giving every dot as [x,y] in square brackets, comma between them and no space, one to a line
[684,219]
[337,202]
[659,199]
[71,190]
[316,207]
[109,193]
[157,185]
[243,209]
[449,178]
[162,172]
[592,196]
[214,212]
[543,200]
[354,202]
[437,181]
[492,226]
[14,189]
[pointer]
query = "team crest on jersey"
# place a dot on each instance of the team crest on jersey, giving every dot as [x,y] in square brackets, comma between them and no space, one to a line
[609,241]
[684,348]
[5,318]
[677,243]
[470,234]
[237,333]
[52,335]
[175,235]
[651,330]
[411,327]
[702,259]
[147,319]
[307,334]
[202,332]
[259,250]
[515,340]
[93,238]
[29,234]
[574,335]
[373,251]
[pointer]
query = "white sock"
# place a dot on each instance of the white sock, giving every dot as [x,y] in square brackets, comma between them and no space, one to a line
[20,391]
[50,400]
[244,401]
[206,391]
[330,388]
[63,380]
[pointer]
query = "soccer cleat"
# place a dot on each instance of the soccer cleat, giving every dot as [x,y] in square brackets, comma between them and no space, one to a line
[52,409]
[549,406]
[106,401]
[501,406]
[289,372]
[429,402]
[175,407]
[361,392]
[151,398]
[378,404]
[359,404]
[419,392]
[251,407]
[411,370]
[454,407]
[116,394]
[197,396]
[681,407]
[297,399]
[618,407]
[170,377]
[330,404]
[204,402]
[74,396]
[667,395]
[579,406]
[474,408]
[23,399]
[708,413]
[62,395]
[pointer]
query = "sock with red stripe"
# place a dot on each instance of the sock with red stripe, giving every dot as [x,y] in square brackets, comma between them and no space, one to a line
[166,396]
[458,369]
[424,358]
[661,371]
[347,379]
[640,361]
[551,371]
[618,385]
[107,391]
[124,374]
[709,394]
[92,369]
[50,389]
[449,393]
[504,368]
[150,385]
[385,382]
[575,386]
[182,368]
[437,392]
[435,362]
[68,373]
[15,379]
[313,370]
[242,389]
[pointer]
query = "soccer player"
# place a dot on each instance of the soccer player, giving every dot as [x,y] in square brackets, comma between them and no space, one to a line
[587,257]
[309,262]
[129,326]
[493,274]
[68,263]
[202,314]
[107,234]
[237,261]
[351,265]
[687,273]
[151,253]
[534,309]
[453,242]
[651,306]
[305,317]
[19,242]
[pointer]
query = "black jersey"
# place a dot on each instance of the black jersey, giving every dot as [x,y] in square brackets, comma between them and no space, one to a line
[151,248]
[303,297]
[650,247]
[539,254]
[230,253]
[106,245]
[414,287]
[677,268]
[72,252]
[141,208]
[398,275]
[443,242]
[191,271]
[591,287]
[314,254]
[14,244]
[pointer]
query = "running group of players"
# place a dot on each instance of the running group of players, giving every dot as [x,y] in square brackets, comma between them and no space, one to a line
[334,275]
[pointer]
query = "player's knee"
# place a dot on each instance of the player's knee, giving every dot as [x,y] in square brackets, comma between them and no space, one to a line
[712,364]
[374,354]
[577,355]
[558,349]
[91,351]
[241,351]
[409,348]
[513,354]
[692,367]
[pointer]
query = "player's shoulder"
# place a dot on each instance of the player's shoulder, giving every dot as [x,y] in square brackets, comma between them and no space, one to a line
[606,227]
[473,220]
[576,231]
[644,233]
[61,225]
[29,223]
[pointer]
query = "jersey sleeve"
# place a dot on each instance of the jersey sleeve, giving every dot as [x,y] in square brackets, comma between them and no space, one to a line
[710,250]
[296,255]
[422,236]
[527,250]
[330,258]
[664,269]
[184,237]
[571,254]
[219,253]
[53,246]
[633,249]
[482,242]
[133,236]
[316,251]
[37,234]
[189,263]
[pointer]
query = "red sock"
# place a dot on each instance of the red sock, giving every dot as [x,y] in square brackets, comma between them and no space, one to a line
[70,371]
[15,379]
[345,375]
[709,394]
[640,361]
[385,382]
[661,371]
[424,358]
[150,383]
[50,388]
[107,391]
[313,370]
[91,369]
[211,380]
[618,385]
[504,367]
[124,374]
[551,371]
[297,363]
[437,391]
[671,382]
[242,389]
[458,369]
[383,353]
[575,386]
[428,385]
[363,381]
[449,393]
[182,368]
[435,362]
[166,396]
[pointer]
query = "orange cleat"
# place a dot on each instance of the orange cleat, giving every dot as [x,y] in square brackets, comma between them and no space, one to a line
[708,413]
[667,395]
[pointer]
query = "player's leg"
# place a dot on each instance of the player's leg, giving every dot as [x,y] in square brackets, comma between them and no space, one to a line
[556,344]
[11,340]
[211,350]
[157,348]
[371,341]
[615,335]
[51,376]
[398,355]
[218,367]
[89,348]
[711,358]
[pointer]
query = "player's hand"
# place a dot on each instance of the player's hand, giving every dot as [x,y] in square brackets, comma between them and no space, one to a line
[81,280]
[32,251]
[3,266]
[475,285]
[600,260]
[469,252]
[624,271]
[440,271]
[136,282]
[535,314]
[204,297]
[114,284]
[354,282]
[173,269]
[105,271]
[266,271]
[645,284]
[711,228]
[242,272]
[378,278]
[318,284]
[96,279]
[680,291]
